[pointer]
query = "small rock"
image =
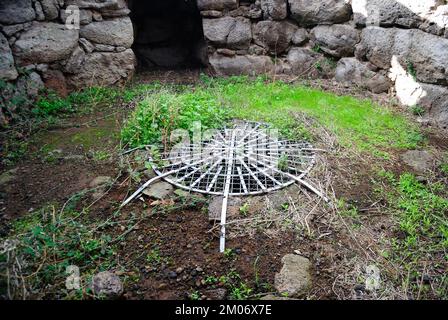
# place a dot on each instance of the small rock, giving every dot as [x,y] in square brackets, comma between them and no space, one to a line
[159,190]
[179,270]
[294,278]
[172,275]
[108,285]
[7,176]
[420,161]
[216,294]
[99,181]
[199,269]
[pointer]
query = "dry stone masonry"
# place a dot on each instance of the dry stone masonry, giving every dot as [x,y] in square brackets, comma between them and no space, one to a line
[398,46]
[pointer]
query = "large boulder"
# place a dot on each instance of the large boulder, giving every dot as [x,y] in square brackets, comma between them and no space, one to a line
[338,40]
[8,70]
[275,36]
[294,279]
[314,12]
[433,98]
[405,13]
[274,9]
[423,54]
[217,4]
[352,72]
[235,33]
[45,42]
[16,11]
[116,32]
[104,68]
[307,63]
[241,65]
[216,31]
[50,9]
[240,35]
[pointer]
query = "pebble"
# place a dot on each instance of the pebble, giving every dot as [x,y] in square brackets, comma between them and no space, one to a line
[172,275]
[199,269]
[179,270]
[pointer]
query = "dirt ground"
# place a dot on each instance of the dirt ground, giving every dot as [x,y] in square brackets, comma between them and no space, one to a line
[64,161]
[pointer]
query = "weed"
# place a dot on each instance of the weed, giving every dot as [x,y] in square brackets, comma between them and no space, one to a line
[244,209]
[417,110]
[195,295]
[240,292]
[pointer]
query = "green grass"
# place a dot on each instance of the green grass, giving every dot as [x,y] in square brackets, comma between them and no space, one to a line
[360,124]
[421,212]
[47,242]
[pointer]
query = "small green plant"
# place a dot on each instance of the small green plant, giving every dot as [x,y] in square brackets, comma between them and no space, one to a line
[240,292]
[211,280]
[229,253]
[317,48]
[417,110]
[154,257]
[195,295]
[244,209]
[411,69]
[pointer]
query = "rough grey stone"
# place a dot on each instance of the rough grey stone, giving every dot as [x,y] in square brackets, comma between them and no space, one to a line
[104,68]
[275,36]
[16,11]
[30,85]
[300,37]
[116,32]
[241,65]
[216,31]
[50,9]
[8,70]
[420,161]
[217,4]
[305,62]
[350,71]
[215,208]
[274,9]
[107,285]
[405,13]
[8,176]
[216,294]
[426,53]
[100,181]
[294,279]
[45,42]
[40,16]
[314,12]
[338,40]
[240,34]
[74,62]
[160,190]
[86,45]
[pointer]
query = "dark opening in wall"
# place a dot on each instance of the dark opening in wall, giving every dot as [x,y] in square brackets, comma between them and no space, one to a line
[168,34]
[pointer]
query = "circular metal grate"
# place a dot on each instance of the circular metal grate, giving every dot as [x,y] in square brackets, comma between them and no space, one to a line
[249,157]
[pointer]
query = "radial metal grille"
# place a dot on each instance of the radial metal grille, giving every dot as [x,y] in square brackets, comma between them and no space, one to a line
[249,157]
[246,159]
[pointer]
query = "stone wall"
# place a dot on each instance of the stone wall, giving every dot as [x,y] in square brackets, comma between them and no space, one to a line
[398,46]
[38,49]
[380,45]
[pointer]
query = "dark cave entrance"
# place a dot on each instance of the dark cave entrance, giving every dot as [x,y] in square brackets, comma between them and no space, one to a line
[168,34]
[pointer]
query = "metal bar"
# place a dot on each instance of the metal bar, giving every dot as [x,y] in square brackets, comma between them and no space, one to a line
[263,187]
[206,173]
[297,179]
[143,187]
[212,183]
[222,240]
[241,179]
